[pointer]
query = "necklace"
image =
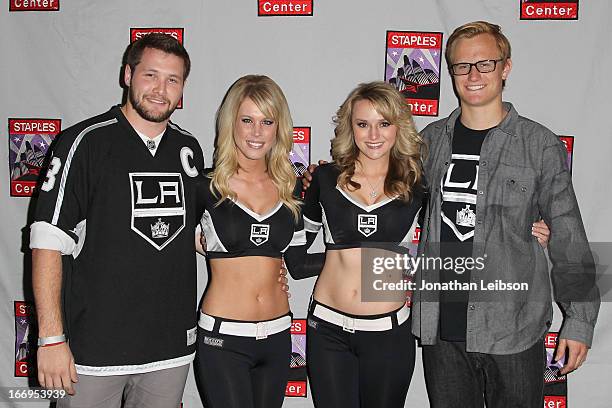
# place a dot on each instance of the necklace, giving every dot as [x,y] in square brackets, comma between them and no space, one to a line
[373,191]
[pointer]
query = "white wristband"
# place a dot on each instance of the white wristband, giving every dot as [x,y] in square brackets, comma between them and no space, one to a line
[44,341]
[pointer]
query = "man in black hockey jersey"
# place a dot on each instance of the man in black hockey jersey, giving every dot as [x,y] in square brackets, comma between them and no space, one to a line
[491,173]
[119,199]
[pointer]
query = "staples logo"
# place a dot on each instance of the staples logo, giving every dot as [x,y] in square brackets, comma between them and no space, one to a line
[138,33]
[29,141]
[549,10]
[284,7]
[34,5]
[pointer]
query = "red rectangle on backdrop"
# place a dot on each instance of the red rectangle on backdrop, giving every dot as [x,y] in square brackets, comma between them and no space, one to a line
[284,7]
[301,135]
[295,389]
[533,10]
[554,401]
[23,188]
[34,5]
[34,126]
[298,326]
[399,39]
[423,107]
[550,341]
[137,33]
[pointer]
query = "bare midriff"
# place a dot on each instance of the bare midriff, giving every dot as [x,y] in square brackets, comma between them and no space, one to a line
[245,288]
[339,285]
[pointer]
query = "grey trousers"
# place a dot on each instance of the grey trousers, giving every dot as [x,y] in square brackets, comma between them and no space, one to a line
[157,389]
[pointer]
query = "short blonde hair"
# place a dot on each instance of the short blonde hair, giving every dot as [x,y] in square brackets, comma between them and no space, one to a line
[473,29]
[271,101]
[405,172]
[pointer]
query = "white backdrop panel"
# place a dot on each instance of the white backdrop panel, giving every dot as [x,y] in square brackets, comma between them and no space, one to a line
[66,65]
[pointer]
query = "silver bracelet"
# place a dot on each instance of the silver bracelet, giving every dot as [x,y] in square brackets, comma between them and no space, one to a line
[45,341]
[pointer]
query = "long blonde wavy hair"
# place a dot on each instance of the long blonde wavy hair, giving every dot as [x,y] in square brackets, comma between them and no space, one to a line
[405,172]
[270,100]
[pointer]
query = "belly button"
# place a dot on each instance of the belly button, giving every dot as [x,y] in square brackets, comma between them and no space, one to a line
[259,298]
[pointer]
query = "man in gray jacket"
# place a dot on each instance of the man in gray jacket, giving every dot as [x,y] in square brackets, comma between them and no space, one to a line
[491,173]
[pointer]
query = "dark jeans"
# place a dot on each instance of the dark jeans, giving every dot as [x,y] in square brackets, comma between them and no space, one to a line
[458,379]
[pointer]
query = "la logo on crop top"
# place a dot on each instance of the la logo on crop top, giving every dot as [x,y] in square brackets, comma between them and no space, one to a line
[259,233]
[367,224]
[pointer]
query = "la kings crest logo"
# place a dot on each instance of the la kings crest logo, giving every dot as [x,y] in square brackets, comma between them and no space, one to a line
[466,217]
[367,224]
[259,233]
[158,207]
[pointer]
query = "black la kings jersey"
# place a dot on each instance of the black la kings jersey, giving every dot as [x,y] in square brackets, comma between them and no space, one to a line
[130,290]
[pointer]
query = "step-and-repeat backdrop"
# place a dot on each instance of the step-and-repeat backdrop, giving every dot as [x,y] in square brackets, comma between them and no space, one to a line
[61,64]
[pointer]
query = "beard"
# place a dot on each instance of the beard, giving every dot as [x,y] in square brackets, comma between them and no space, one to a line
[147,114]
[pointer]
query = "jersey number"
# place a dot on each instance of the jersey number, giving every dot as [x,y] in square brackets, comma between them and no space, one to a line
[54,168]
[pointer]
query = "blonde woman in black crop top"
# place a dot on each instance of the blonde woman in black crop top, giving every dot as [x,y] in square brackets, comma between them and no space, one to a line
[249,219]
[361,354]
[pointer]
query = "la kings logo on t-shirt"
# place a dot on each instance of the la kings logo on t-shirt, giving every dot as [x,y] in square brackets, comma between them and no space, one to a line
[459,195]
[158,206]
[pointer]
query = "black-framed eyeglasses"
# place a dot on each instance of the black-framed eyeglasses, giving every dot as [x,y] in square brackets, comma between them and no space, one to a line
[484,66]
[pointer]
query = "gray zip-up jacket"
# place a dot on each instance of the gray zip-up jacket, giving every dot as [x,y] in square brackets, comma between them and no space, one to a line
[522,176]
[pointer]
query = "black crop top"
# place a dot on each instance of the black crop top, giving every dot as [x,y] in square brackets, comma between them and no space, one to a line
[347,223]
[233,230]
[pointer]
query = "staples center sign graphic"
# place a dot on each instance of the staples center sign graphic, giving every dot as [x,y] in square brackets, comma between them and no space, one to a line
[549,10]
[284,7]
[568,141]
[176,33]
[34,5]
[555,383]
[299,156]
[24,317]
[29,141]
[412,66]
[296,386]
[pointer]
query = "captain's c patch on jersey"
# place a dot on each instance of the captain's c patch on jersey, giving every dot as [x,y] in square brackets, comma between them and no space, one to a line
[158,206]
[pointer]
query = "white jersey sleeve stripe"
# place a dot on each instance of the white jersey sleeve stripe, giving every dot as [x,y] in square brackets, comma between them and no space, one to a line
[46,236]
[299,238]
[310,225]
[73,148]
[213,243]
